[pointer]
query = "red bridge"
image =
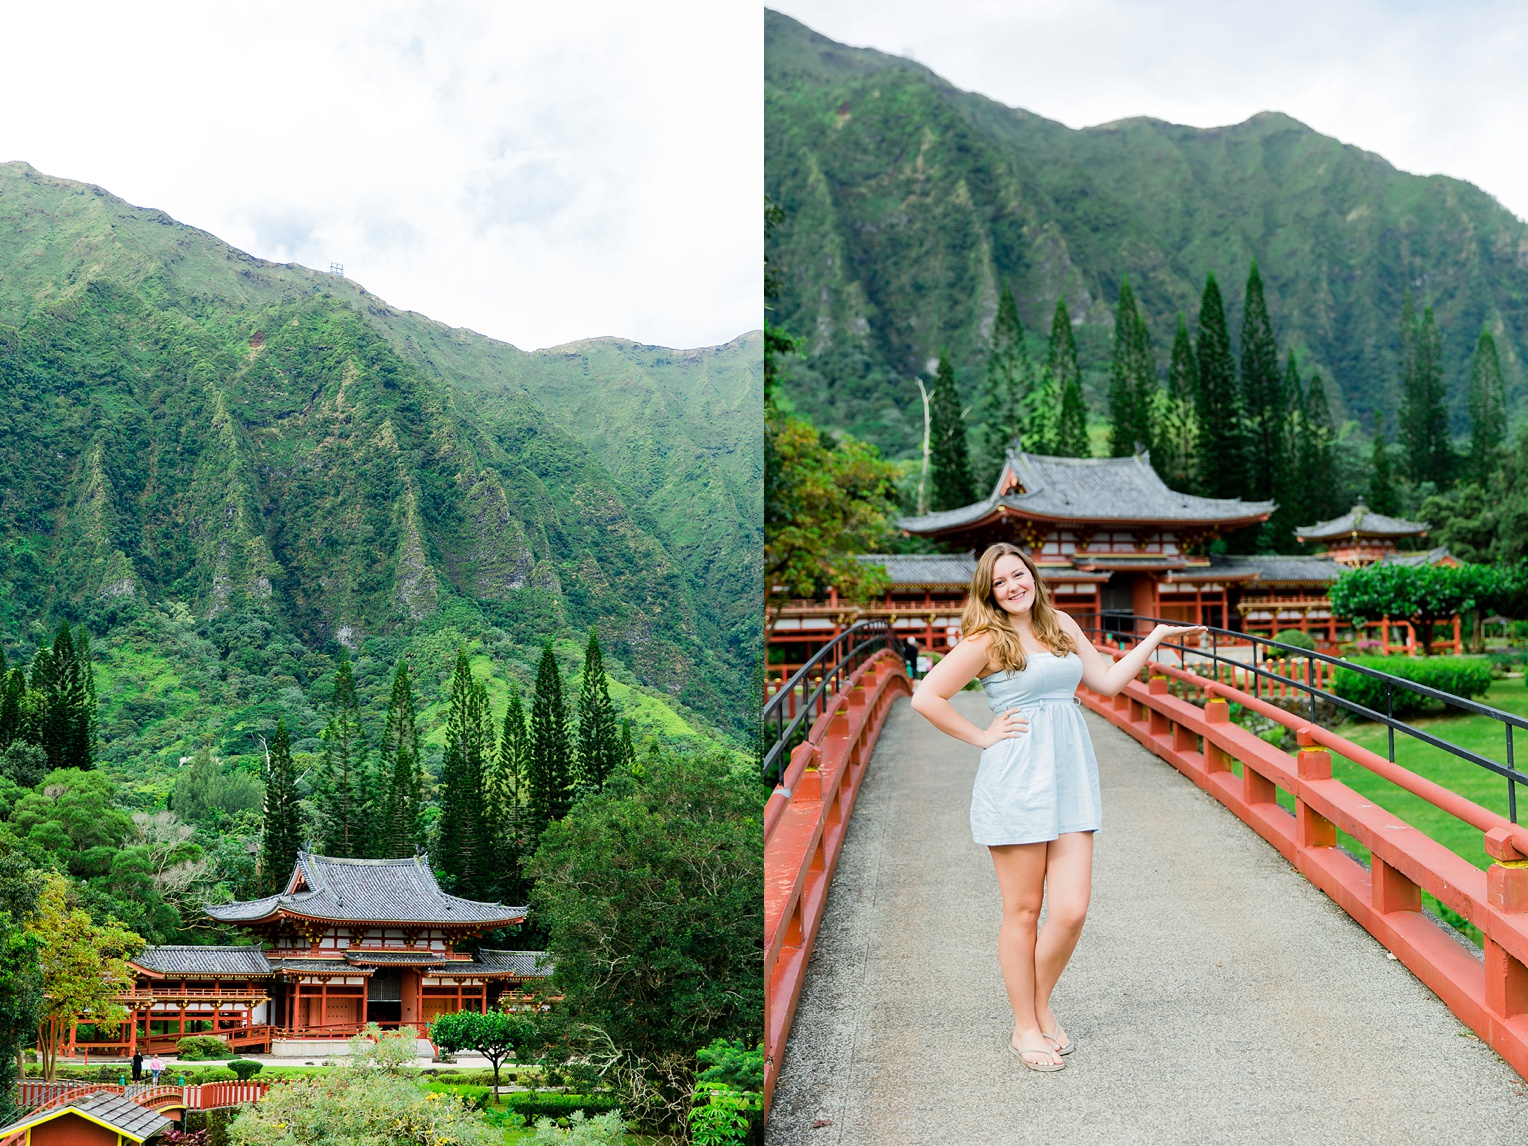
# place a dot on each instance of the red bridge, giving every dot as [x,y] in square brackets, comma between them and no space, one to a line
[1224,989]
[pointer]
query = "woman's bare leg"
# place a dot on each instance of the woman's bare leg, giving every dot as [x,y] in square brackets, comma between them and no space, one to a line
[1021,879]
[1068,887]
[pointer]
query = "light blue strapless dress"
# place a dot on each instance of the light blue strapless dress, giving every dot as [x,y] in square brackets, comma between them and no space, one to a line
[1037,786]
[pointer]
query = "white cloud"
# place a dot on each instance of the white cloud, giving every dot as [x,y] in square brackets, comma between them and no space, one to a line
[1434,87]
[537,172]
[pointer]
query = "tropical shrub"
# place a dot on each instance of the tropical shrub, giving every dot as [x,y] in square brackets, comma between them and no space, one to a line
[245,1068]
[199,1048]
[1457,676]
[601,1130]
[1297,638]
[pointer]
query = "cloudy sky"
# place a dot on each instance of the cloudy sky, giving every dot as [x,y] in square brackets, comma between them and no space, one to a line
[538,172]
[1436,88]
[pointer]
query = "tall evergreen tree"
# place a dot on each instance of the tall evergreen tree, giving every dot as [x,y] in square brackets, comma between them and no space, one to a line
[598,743]
[489,826]
[949,460]
[281,834]
[1424,412]
[401,830]
[344,793]
[1382,497]
[1071,424]
[628,749]
[64,725]
[1005,390]
[87,720]
[1322,463]
[1132,380]
[1488,409]
[549,773]
[461,786]
[1264,403]
[1222,453]
[13,688]
[506,797]
[1176,454]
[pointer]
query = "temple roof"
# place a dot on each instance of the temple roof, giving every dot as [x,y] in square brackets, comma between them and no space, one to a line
[526,964]
[123,1115]
[362,890]
[395,958]
[1126,491]
[1361,521]
[1275,569]
[924,568]
[198,961]
[1429,557]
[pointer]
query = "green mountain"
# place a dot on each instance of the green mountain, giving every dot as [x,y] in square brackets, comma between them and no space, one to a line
[909,204]
[229,469]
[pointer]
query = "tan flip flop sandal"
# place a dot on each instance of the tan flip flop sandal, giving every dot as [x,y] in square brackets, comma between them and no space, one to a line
[1043,1067]
[1071,1043]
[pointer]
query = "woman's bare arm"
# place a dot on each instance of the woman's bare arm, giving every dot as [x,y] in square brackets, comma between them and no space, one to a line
[965,662]
[1108,678]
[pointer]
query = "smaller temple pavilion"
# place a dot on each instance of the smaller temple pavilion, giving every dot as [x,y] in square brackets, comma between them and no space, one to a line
[1360,536]
[346,942]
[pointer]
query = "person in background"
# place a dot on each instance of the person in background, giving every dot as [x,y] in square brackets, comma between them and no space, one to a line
[156,1065]
[137,1066]
[910,655]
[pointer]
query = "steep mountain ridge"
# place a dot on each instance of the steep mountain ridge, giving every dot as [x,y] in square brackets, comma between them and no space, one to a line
[908,205]
[182,423]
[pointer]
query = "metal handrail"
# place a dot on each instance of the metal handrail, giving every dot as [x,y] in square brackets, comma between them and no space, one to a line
[828,668]
[1509,720]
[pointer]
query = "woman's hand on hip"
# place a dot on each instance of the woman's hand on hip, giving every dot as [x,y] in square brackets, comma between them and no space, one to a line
[1009,725]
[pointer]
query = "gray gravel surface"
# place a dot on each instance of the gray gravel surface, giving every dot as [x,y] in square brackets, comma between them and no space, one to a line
[1216,995]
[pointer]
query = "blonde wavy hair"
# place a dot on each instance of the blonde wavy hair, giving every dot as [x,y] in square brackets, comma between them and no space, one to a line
[983,614]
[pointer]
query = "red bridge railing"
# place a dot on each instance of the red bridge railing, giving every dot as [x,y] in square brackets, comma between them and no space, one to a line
[1491,995]
[839,700]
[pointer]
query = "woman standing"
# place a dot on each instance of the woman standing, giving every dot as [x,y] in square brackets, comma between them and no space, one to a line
[1036,803]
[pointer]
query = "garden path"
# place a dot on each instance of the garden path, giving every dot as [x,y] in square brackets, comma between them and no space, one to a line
[1216,995]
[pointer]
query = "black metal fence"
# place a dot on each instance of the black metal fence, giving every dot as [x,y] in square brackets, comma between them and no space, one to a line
[1113,631]
[789,713]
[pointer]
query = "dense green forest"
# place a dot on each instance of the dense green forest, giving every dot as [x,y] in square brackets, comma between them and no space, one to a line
[233,479]
[908,207]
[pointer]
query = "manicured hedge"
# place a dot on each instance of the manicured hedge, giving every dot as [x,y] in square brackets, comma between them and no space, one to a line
[1458,676]
[540,1104]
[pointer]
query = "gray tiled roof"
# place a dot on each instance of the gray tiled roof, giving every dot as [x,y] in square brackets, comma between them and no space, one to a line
[1363,521]
[122,1114]
[924,568]
[1431,557]
[395,890]
[1273,569]
[1091,489]
[526,964]
[196,961]
[395,958]
[334,966]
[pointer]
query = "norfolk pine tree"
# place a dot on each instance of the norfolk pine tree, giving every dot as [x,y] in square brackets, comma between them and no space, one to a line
[1005,390]
[1381,484]
[489,827]
[1264,404]
[1319,453]
[401,829]
[1222,455]
[598,743]
[344,796]
[1488,409]
[461,786]
[506,796]
[281,834]
[1071,435]
[549,773]
[1132,380]
[949,459]
[1424,413]
[1176,456]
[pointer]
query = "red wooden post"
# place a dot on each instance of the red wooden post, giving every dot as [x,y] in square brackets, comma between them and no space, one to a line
[1157,721]
[1217,711]
[1312,830]
[1389,890]
[1507,891]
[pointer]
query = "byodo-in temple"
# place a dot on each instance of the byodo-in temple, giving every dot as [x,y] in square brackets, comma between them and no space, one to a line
[346,942]
[1111,539]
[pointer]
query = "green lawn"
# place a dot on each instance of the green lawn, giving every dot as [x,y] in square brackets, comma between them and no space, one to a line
[1477,733]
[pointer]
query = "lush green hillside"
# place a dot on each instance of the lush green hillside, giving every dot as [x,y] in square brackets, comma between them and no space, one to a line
[909,204]
[229,469]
